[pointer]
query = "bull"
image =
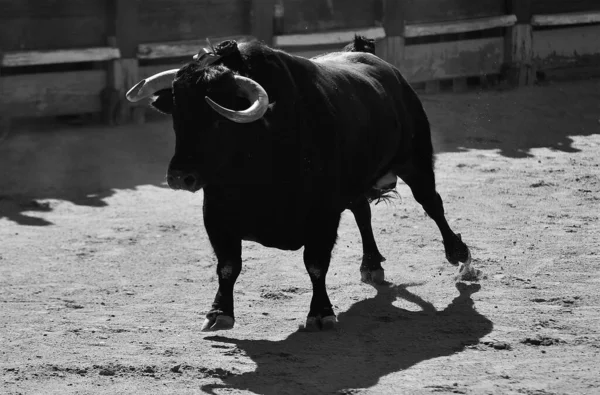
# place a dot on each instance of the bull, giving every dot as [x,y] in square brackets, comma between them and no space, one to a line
[282,145]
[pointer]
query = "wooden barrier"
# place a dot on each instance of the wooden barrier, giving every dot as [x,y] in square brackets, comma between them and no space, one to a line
[454,27]
[51,94]
[518,45]
[34,58]
[47,94]
[566,51]
[429,40]
[453,59]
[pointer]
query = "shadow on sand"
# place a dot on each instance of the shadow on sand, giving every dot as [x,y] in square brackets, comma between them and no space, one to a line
[45,160]
[374,339]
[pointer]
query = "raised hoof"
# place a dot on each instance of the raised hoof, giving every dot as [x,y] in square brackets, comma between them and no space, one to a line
[466,272]
[457,251]
[315,324]
[217,323]
[372,276]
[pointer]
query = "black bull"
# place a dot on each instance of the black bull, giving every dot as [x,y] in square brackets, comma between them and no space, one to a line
[288,149]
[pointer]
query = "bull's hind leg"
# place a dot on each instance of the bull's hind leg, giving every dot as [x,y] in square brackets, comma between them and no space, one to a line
[422,184]
[320,239]
[370,268]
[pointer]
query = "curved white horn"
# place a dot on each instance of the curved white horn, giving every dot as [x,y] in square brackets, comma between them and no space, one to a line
[147,87]
[254,92]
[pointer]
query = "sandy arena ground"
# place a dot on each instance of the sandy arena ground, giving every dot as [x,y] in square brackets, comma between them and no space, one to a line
[105,274]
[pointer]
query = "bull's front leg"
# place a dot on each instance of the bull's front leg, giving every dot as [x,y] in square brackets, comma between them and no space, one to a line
[228,250]
[221,316]
[317,255]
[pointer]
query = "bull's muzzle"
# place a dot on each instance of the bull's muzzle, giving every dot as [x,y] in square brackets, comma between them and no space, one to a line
[183,180]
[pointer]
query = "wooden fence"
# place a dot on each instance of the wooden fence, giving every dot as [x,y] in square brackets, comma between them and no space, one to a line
[70,56]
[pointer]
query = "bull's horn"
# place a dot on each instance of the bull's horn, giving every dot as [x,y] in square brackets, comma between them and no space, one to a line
[255,93]
[147,87]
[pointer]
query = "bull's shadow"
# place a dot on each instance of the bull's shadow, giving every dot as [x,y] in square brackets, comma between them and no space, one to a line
[82,164]
[374,339]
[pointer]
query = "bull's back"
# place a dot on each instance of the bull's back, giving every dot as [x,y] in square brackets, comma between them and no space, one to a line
[368,108]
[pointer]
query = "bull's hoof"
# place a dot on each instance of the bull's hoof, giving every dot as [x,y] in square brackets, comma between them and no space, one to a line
[457,251]
[467,272]
[315,324]
[217,323]
[372,276]
[371,270]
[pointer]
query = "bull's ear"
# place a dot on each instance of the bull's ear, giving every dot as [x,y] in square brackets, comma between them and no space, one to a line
[163,101]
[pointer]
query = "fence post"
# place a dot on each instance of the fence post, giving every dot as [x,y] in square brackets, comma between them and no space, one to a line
[391,48]
[5,120]
[519,44]
[262,18]
[123,73]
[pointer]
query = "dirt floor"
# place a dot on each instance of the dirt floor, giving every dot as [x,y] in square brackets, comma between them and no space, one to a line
[105,274]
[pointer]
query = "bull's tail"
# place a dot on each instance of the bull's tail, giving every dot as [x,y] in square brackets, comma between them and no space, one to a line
[382,195]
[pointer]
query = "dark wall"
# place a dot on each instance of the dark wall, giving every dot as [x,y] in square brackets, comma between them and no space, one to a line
[61,24]
[421,11]
[560,6]
[306,16]
[173,20]
[51,24]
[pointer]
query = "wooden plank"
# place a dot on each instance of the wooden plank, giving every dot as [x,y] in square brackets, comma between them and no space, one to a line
[304,16]
[326,38]
[469,25]
[422,11]
[452,59]
[52,93]
[572,18]
[57,24]
[178,49]
[176,20]
[30,58]
[262,16]
[568,47]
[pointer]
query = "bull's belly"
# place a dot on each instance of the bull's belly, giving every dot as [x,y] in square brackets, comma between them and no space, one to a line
[281,239]
[272,221]
[275,225]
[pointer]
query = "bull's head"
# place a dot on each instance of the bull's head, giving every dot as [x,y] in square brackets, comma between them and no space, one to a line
[205,100]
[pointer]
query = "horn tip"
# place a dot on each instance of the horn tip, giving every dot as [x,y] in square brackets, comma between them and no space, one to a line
[133,94]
